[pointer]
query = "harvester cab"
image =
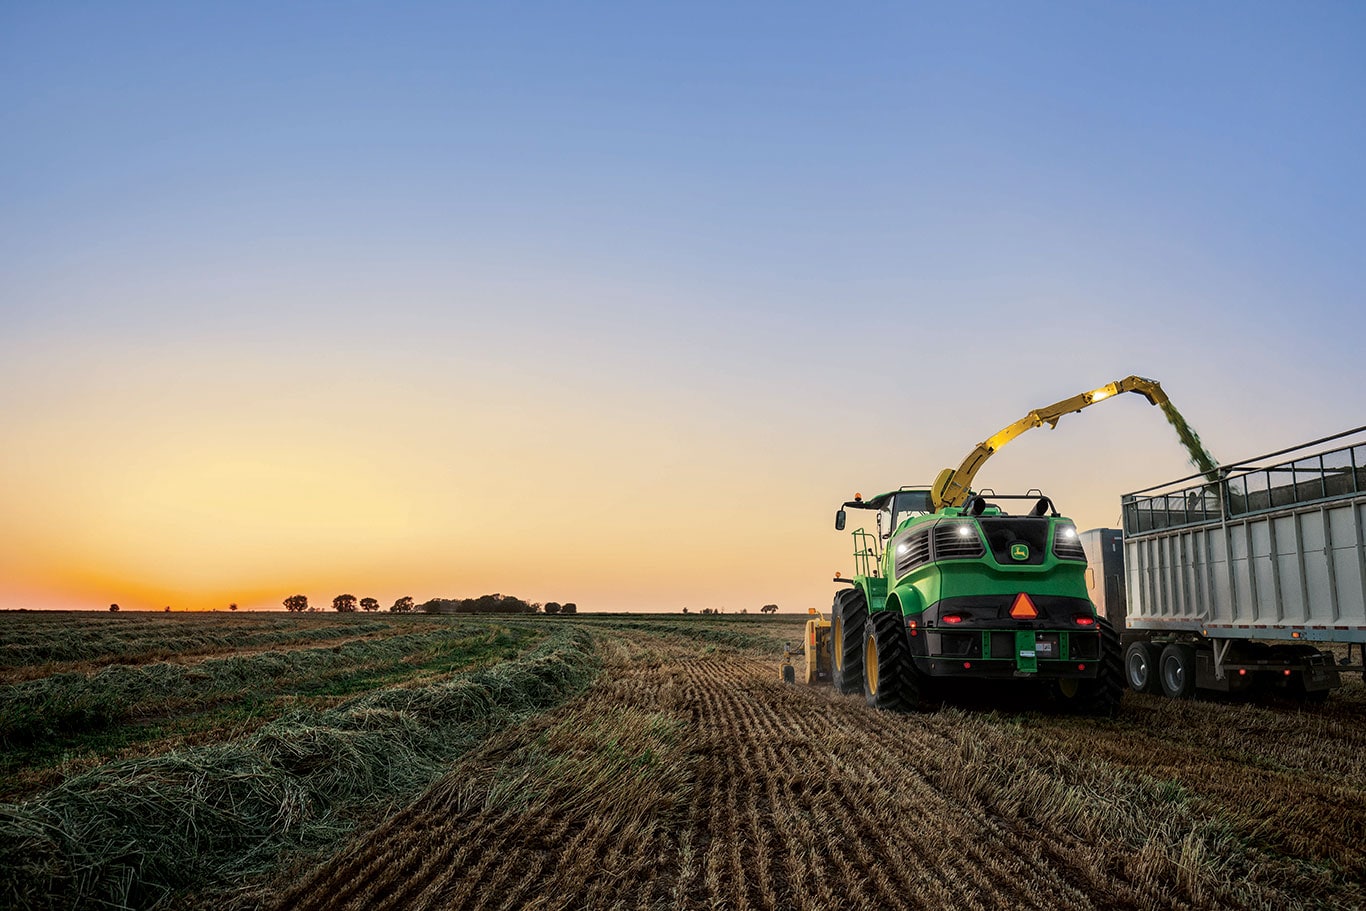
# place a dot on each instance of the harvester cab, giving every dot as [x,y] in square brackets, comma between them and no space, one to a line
[954,586]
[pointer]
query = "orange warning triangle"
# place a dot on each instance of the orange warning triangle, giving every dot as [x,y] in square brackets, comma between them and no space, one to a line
[1023,608]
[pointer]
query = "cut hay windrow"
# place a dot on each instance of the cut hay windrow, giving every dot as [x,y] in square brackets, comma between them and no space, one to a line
[77,704]
[103,638]
[134,833]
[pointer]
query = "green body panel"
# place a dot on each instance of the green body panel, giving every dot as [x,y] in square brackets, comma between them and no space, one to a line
[1025,658]
[926,585]
[874,591]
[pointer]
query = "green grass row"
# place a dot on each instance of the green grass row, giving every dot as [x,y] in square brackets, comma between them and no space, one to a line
[48,720]
[100,638]
[135,833]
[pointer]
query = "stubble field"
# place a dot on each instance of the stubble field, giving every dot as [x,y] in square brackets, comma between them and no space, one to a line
[395,762]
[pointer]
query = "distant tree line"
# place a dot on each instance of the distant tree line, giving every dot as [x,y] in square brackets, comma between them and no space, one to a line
[345,604]
[495,604]
[766,609]
[485,604]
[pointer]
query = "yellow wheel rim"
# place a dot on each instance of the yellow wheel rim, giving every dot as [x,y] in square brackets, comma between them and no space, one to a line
[870,664]
[837,644]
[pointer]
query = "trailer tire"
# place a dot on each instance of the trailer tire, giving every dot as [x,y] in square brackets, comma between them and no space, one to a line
[1140,667]
[890,680]
[847,618]
[789,674]
[1176,671]
[1100,697]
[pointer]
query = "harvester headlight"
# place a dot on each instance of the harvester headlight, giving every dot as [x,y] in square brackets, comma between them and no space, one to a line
[902,548]
[1069,533]
[965,531]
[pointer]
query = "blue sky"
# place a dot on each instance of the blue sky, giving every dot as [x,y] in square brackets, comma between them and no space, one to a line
[809,247]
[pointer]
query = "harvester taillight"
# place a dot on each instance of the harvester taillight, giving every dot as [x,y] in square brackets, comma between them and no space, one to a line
[1023,608]
[952,618]
[911,625]
[1085,620]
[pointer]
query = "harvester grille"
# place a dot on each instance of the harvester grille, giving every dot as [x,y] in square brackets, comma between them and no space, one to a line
[952,543]
[1065,547]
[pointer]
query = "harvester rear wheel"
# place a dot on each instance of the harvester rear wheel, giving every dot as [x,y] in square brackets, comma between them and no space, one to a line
[889,678]
[1100,696]
[847,618]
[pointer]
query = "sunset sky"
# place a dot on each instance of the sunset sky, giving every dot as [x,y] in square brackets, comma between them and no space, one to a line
[615,303]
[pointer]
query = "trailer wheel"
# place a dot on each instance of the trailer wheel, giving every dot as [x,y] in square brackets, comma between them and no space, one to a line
[890,680]
[1102,695]
[847,618]
[1176,670]
[1140,667]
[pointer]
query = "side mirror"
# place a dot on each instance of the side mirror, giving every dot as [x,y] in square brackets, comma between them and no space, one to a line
[839,521]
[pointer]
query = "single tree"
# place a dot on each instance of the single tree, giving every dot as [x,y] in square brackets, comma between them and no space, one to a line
[769,609]
[685,610]
[344,604]
[113,608]
[232,606]
[368,604]
[569,607]
[297,603]
[552,607]
[168,608]
[403,605]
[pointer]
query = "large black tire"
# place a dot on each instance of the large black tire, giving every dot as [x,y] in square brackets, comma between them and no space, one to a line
[889,678]
[847,618]
[1140,667]
[1101,695]
[1176,671]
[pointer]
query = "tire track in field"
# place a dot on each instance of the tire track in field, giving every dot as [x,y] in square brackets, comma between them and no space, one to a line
[859,823]
[760,797]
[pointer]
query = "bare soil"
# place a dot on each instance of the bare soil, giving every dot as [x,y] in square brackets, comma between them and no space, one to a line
[688,776]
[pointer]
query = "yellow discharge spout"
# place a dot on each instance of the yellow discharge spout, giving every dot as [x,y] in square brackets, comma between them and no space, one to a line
[951,487]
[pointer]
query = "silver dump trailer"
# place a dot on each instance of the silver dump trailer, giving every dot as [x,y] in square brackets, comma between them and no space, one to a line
[1236,584]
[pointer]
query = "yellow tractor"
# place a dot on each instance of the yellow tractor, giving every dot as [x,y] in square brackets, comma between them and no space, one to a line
[815,647]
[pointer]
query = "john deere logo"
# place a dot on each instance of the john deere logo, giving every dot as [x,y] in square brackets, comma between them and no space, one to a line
[1019,551]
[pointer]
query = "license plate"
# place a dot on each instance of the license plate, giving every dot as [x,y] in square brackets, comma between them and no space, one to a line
[1046,648]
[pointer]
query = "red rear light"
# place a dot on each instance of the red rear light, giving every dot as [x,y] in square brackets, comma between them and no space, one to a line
[1023,608]
[1084,620]
[1081,667]
[967,665]
[952,618]
[1242,672]
[1286,672]
[911,623]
